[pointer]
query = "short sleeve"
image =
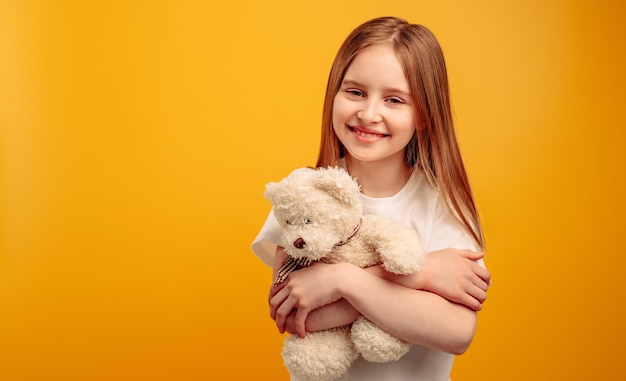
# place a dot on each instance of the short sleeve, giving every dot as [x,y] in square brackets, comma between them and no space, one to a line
[447,232]
[265,243]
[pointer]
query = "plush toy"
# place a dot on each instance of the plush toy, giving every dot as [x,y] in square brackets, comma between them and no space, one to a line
[321,217]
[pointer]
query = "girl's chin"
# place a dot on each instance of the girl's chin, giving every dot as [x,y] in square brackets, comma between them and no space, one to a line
[368,156]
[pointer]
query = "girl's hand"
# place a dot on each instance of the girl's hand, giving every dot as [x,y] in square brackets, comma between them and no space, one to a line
[453,274]
[449,273]
[303,291]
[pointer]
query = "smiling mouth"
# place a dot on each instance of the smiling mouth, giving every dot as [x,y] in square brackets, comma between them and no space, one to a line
[367,134]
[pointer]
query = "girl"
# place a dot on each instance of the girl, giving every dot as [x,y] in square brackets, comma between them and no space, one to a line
[387,119]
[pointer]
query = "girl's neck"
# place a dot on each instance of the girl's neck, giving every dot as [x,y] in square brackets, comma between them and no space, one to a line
[379,179]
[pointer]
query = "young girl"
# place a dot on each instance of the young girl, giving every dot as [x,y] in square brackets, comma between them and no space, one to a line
[387,120]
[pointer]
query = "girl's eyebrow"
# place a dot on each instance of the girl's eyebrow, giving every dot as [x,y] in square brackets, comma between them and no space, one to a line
[352,82]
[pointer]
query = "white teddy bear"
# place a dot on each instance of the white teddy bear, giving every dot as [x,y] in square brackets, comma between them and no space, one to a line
[321,217]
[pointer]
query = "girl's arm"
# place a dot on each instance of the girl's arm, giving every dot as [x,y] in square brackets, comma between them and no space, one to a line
[416,316]
[450,273]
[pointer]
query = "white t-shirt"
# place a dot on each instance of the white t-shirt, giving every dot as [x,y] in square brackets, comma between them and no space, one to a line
[419,206]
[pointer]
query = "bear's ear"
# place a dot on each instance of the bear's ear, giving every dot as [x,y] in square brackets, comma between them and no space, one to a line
[279,192]
[339,184]
[271,192]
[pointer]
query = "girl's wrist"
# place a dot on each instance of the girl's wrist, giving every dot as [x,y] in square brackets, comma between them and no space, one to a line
[420,280]
[348,278]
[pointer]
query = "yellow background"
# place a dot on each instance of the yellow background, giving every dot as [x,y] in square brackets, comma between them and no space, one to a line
[136,139]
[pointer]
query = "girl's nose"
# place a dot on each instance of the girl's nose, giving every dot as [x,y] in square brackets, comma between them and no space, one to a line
[369,113]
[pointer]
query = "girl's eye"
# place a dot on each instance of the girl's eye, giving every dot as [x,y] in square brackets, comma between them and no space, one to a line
[395,100]
[356,93]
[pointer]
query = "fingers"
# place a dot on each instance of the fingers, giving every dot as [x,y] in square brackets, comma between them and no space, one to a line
[280,306]
[479,294]
[300,320]
[290,326]
[477,281]
[281,315]
[479,286]
[474,299]
[469,254]
[483,274]
[273,301]
[471,303]
[475,292]
[480,278]
[283,303]
[275,289]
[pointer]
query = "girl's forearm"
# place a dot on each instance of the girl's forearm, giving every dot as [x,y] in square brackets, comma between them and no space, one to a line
[416,316]
[400,308]
[332,315]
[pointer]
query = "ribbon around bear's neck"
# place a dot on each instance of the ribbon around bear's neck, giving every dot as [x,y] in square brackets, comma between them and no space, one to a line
[356,230]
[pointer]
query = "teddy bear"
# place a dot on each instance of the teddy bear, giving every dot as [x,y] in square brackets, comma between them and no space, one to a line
[321,219]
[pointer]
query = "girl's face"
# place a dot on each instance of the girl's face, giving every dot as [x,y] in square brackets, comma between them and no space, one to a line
[373,113]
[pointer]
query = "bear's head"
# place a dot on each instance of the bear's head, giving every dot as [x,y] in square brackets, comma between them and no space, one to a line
[316,209]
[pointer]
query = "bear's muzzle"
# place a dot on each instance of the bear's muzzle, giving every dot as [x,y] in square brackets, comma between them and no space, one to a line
[299,243]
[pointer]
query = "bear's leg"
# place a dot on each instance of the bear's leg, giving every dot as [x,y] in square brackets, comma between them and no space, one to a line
[376,345]
[319,356]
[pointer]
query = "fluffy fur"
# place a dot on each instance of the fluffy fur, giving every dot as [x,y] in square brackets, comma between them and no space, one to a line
[321,217]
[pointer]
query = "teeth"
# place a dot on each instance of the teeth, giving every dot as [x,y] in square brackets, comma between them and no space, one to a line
[366,134]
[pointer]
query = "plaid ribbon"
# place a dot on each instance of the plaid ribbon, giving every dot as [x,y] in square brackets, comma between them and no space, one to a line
[290,265]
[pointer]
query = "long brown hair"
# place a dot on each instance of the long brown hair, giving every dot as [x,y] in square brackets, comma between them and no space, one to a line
[434,147]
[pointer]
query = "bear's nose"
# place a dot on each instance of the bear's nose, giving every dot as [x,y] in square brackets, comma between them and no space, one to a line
[299,243]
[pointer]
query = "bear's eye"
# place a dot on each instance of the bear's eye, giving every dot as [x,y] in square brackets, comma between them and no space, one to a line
[288,222]
[308,221]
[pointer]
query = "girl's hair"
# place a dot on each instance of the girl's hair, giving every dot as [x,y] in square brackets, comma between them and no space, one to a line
[434,146]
